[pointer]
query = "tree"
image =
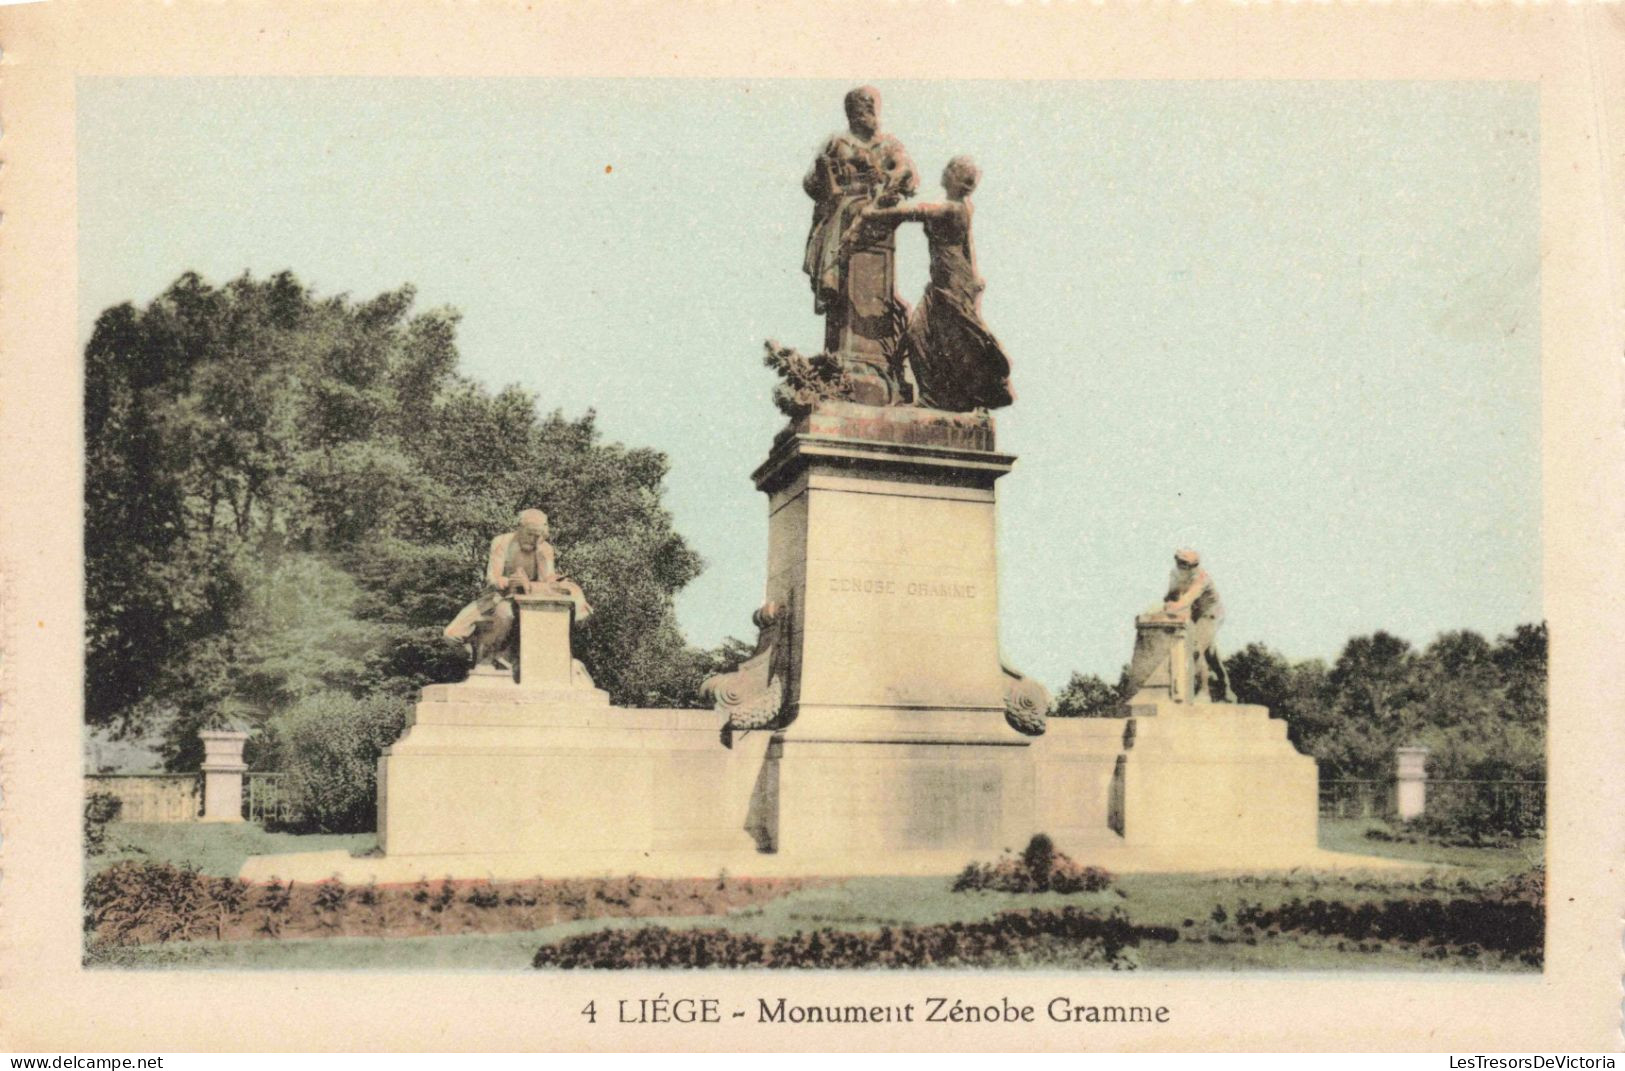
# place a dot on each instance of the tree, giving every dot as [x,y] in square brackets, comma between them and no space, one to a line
[1520,659]
[1295,692]
[288,495]
[1087,696]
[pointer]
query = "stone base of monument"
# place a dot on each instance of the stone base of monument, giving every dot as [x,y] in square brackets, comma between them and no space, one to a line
[874,731]
[888,782]
[1214,777]
[491,783]
[483,772]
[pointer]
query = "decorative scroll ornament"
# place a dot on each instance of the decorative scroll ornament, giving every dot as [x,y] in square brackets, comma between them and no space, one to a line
[1026,703]
[752,696]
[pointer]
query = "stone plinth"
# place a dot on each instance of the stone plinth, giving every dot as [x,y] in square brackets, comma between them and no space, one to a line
[1075,765]
[223,769]
[504,771]
[893,782]
[497,766]
[544,660]
[860,325]
[881,552]
[1161,668]
[1216,777]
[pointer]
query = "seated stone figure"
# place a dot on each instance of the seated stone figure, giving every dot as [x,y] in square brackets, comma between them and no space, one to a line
[522,562]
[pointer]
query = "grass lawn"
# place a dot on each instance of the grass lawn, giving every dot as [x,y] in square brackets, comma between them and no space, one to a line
[1349,835]
[214,848]
[1199,906]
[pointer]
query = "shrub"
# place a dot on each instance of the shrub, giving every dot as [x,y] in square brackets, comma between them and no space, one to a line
[330,895]
[1011,935]
[227,896]
[1509,919]
[100,809]
[1478,818]
[1528,887]
[131,901]
[275,900]
[484,895]
[1039,868]
[1039,859]
[330,749]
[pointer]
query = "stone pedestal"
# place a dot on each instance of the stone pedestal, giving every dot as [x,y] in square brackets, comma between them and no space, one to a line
[862,325]
[881,556]
[223,770]
[1218,777]
[498,765]
[1161,669]
[544,657]
[897,782]
[1410,782]
[881,549]
[488,771]
[543,768]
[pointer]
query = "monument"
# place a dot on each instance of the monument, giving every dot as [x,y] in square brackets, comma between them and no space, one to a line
[895,723]
[876,727]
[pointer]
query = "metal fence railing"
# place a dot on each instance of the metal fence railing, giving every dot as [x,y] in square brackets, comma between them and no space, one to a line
[266,798]
[1516,806]
[1357,799]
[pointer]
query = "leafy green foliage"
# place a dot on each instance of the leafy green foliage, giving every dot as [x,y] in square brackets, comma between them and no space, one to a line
[289,496]
[1039,868]
[1087,696]
[330,745]
[1512,924]
[1478,706]
[146,902]
[100,809]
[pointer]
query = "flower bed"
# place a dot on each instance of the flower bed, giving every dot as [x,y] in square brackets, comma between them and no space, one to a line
[1007,938]
[1508,919]
[138,903]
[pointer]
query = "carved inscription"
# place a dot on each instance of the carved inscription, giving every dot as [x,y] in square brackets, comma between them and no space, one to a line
[930,589]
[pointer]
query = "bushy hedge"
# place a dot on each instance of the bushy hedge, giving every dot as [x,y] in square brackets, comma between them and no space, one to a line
[1008,937]
[1478,819]
[1039,868]
[329,747]
[1510,920]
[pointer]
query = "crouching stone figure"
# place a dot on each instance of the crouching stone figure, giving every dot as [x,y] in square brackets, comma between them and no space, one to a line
[522,562]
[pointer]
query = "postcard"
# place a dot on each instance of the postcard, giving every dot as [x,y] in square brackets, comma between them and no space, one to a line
[946,526]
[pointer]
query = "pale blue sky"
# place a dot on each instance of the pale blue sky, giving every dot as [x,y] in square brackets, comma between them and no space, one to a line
[1292,324]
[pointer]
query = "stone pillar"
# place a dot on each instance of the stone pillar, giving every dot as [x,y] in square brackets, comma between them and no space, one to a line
[1410,782]
[860,328]
[223,768]
[881,551]
[544,640]
[892,732]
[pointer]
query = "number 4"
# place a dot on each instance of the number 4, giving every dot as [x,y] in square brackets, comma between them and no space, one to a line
[590,1011]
